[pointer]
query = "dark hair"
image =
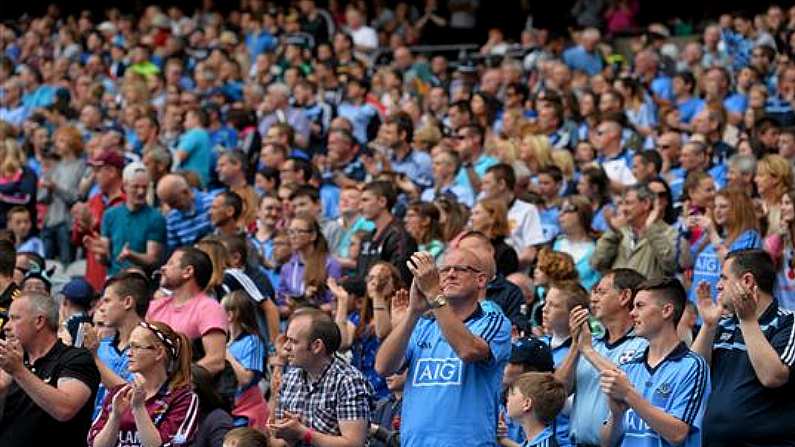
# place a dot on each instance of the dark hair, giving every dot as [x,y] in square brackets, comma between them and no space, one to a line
[476,129]
[597,177]
[238,157]
[404,124]
[758,263]
[626,279]
[383,189]
[427,210]
[306,191]
[552,171]
[135,285]
[235,245]
[688,79]
[653,157]
[8,258]
[504,172]
[287,130]
[670,214]
[300,164]
[321,328]
[201,263]
[670,290]
[233,200]
[16,209]
[202,116]
[203,386]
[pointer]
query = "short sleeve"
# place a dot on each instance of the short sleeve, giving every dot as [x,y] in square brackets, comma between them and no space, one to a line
[212,317]
[783,341]
[78,364]
[354,399]
[181,420]
[496,331]
[251,353]
[157,232]
[188,143]
[689,397]
[106,225]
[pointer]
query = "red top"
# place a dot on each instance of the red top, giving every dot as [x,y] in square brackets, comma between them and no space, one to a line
[95,270]
[175,414]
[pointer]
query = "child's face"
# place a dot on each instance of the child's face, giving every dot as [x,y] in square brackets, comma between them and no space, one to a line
[515,405]
[355,248]
[20,224]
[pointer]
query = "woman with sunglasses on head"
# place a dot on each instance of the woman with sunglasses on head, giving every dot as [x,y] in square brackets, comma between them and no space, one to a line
[159,407]
[577,239]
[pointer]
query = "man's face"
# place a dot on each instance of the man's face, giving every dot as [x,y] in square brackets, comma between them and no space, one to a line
[633,208]
[144,129]
[136,189]
[20,224]
[227,169]
[647,314]
[112,307]
[23,324]
[271,157]
[287,173]
[388,133]
[770,136]
[605,134]
[269,211]
[219,212]
[691,158]
[555,315]
[490,186]
[304,205]
[339,148]
[605,299]
[300,352]
[173,274]
[442,166]
[668,146]
[349,201]
[371,205]
[460,275]
[547,186]
[106,177]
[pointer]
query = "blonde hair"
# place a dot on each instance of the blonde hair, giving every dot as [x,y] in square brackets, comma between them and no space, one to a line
[779,168]
[540,151]
[12,159]
[565,161]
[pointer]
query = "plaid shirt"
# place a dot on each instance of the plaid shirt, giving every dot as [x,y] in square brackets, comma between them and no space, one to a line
[341,393]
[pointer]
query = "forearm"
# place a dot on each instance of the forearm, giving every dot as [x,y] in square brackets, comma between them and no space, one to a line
[50,399]
[341,320]
[612,430]
[148,259]
[243,375]
[703,342]
[383,325]
[767,364]
[668,427]
[345,440]
[474,179]
[393,349]
[109,435]
[598,361]
[147,432]
[469,347]
[565,371]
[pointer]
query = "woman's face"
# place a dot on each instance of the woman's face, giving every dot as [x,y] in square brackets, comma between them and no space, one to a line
[382,278]
[480,220]
[568,218]
[721,211]
[415,224]
[587,105]
[787,209]
[704,194]
[478,105]
[764,181]
[301,234]
[144,352]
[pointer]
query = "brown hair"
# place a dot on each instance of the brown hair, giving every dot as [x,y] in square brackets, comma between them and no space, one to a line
[574,292]
[428,211]
[741,214]
[556,265]
[241,305]
[246,437]
[75,140]
[456,216]
[547,394]
[499,214]
[178,366]
[219,256]
[315,265]
[584,211]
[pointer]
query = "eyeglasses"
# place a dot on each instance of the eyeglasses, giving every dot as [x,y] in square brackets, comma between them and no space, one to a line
[137,347]
[457,269]
[568,209]
[297,231]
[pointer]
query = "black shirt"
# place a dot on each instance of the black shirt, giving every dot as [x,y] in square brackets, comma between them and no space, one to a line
[505,257]
[393,245]
[25,424]
[508,296]
[11,293]
[740,411]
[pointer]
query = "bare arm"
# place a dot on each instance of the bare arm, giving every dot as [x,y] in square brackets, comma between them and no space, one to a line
[151,257]
[272,317]
[62,402]
[214,343]
[381,317]
[242,374]
[393,349]
[767,364]
[469,347]
[353,434]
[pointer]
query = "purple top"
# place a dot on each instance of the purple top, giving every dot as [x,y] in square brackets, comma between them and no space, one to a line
[291,279]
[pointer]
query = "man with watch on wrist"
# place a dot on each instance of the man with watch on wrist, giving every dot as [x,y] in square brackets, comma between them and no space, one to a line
[455,353]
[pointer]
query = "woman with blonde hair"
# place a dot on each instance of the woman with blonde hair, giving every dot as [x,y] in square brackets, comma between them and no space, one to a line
[773,179]
[490,217]
[159,407]
[536,152]
[58,189]
[17,181]
[781,247]
[732,225]
[563,159]
[302,280]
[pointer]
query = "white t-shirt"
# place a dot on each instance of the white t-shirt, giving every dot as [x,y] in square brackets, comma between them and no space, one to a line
[525,224]
[618,171]
[365,37]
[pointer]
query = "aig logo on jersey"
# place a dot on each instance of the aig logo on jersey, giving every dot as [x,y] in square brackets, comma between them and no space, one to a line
[437,372]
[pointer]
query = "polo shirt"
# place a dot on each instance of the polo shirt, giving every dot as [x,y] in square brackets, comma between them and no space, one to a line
[742,412]
[195,318]
[590,403]
[11,292]
[25,424]
[524,222]
[618,167]
[185,228]
[544,439]
[467,392]
[416,166]
[136,228]
[249,350]
[578,58]
[679,385]
[559,350]
[481,165]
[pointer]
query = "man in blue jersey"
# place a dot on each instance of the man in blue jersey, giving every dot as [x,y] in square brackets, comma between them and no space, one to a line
[455,353]
[659,396]
[750,345]
[611,303]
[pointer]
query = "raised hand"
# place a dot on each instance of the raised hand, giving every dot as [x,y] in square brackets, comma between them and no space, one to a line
[417,305]
[426,275]
[90,338]
[399,306]
[709,310]
[121,401]
[615,384]
[743,300]
[578,324]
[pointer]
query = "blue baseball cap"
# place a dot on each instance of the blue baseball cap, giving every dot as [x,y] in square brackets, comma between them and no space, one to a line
[532,352]
[78,291]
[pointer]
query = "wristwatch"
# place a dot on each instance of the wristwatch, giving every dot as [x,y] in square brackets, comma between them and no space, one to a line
[439,301]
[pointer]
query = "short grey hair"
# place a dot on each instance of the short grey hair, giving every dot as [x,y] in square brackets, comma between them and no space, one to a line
[743,162]
[45,305]
[133,169]
[279,89]
[642,190]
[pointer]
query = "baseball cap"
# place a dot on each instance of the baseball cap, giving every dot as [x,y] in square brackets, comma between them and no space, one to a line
[531,351]
[78,291]
[108,158]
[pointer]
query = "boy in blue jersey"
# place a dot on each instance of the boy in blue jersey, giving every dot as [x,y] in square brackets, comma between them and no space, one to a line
[535,399]
[455,352]
[658,397]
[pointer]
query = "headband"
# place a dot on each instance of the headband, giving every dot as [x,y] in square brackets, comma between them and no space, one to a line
[173,348]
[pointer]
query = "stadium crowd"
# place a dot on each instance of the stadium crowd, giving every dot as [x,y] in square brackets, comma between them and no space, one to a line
[289,225]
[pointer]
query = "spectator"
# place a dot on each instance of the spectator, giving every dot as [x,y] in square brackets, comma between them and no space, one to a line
[311,341]
[577,239]
[194,150]
[385,428]
[161,358]
[637,238]
[303,279]
[490,217]
[389,241]
[773,178]
[18,183]
[225,213]
[351,221]
[633,390]
[188,309]
[232,169]
[245,437]
[188,218]
[53,389]
[758,362]
[397,133]
[306,200]
[476,362]
[535,399]
[276,109]
[585,56]
[445,164]
[20,223]
[422,224]
[611,304]
[77,298]
[741,171]
[614,159]
[213,419]
[779,246]
[474,160]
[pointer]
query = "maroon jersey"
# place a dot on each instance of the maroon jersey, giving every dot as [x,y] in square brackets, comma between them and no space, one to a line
[175,413]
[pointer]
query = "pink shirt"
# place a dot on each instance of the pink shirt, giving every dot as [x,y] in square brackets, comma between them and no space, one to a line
[195,318]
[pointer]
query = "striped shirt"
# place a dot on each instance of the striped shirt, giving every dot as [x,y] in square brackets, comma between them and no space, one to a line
[187,227]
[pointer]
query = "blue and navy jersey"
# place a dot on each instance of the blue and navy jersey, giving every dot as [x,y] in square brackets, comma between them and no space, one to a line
[249,350]
[559,353]
[767,414]
[543,439]
[590,403]
[449,403]
[114,359]
[679,385]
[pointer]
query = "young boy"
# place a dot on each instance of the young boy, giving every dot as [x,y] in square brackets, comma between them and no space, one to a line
[534,400]
[19,223]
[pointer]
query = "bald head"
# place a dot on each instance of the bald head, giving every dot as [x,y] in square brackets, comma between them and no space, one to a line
[174,191]
[478,243]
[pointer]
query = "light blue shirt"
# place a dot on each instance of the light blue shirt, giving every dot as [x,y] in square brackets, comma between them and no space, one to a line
[197,143]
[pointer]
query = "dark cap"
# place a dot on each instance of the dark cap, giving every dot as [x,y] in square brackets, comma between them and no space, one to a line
[78,291]
[108,158]
[532,352]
